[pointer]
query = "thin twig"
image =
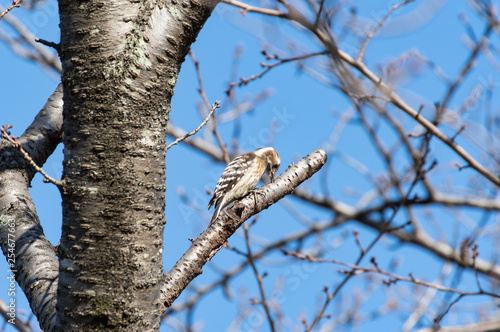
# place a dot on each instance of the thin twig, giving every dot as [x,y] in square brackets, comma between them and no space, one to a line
[33,50]
[318,14]
[475,253]
[465,70]
[17,145]
[259,280]
[462,128]
[198,143]
[15,3]
[182,138]
[394,277]
[48,43]
[438,319]
[268,67]
[252,9]
[17,323]
[374,31]
[203,95]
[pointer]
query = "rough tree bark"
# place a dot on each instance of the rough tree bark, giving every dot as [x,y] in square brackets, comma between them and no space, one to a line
[120,64]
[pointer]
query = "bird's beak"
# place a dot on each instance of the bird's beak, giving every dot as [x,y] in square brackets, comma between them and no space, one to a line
[272,177]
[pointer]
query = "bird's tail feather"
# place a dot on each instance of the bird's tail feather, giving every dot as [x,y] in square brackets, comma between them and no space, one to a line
[218,207]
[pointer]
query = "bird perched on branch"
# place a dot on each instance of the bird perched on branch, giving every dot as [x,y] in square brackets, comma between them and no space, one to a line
[242,175]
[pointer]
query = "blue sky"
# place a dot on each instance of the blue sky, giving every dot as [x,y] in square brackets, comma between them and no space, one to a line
[306,112]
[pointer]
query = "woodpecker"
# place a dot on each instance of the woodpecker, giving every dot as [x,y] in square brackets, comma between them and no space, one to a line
[242,175]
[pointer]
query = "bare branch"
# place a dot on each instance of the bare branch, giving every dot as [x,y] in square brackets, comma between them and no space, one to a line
[297,237]
[374,31]
[15,4]
[438,319]
[253,9]
[199,144]
[465,70]
[207,105]
[19,147]
[433,129]
[386,228]
[264,303]
[326,38]
[492,326]
[30,49]
[420,238]
[268,67]
[211,240]
[184,137]
[394,277]
[36,266]
[16,323]
[49,44]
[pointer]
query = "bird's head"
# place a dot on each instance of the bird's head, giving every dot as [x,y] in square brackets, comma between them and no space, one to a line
[272,159]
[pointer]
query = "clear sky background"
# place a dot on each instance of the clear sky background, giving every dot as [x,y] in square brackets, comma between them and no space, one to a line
[306,113]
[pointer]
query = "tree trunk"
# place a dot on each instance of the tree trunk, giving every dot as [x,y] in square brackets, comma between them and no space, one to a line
[120,65]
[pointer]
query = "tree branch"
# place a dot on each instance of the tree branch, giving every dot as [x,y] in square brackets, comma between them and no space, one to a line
[19,147]
[18,324]
[15,4]
[215,236]
[197,143]
[375,30]
[204,97]
[184,137]
[325,36]
[26,46]
[419,238]
[393,278]
[492,326]
[395,99]
[35,266]
[259,278]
